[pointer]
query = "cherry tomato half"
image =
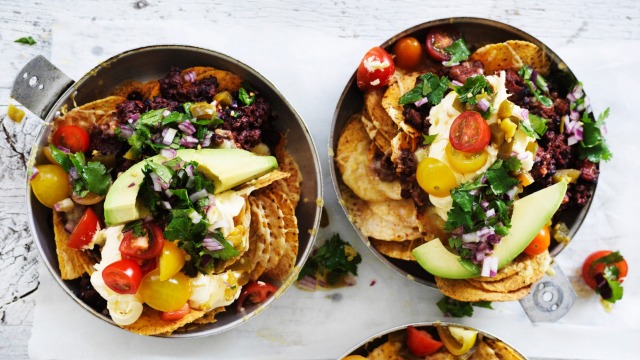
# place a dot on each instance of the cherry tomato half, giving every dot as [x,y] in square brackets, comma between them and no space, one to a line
[540,243]
[84,231]
[438,39]
[435,177]
[589,270]
[169,295]
[72,137]
[257,292]
[420,342]
[175,315]
[469,132]
[465,162]
[122,276]
[408,52]
[375,70]
[143,247]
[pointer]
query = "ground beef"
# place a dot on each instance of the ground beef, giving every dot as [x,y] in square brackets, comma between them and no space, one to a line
[406,170]
[589,171]
[519,91]
[465,70]
[418,118]
[247,122]
[383,167]
[127,109]
[175,87]
[105,142]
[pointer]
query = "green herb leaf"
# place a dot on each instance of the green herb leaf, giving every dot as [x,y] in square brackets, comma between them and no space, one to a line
[428,139]
[92,177]
[245,97]
[610,259]
[538,124]
[27,40]
[455,308]
[96,177]
[472,87]
[332,261]
[61,158]
[458,51]
[499,179]
[526,128]
[593,145]
[429,86]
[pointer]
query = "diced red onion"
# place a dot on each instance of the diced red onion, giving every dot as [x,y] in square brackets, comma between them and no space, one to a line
[190,170]
[458,231]
[491,212]
[168,193]
[74,173]
[473,192]
[168,153]
[64,149]
[211,244]
[198,195]
[484,204]
[187,127]
[585,104]
[166,205]
[577,92]
[126,131]
[131,185]
[421,102]
[195,217]
[188,141]
[34,173]
[470,237]
[157,182]
[134,117]
[525,114]
[190,76]
[574,115]
[166,113]
[490,266]
[69,226]
[483,104]
[511,193]
[64,205]
[165,185]
[169,135]
[207,139]
[523,155]
[308,282]
[157,138]
[350,280]
[571,98]
[456,83]
[534,76]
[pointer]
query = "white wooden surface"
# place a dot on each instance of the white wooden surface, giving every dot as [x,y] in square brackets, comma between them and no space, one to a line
[557,24]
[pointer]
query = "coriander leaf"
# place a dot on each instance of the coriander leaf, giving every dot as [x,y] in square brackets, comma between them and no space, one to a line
[187,108]
[525,72]
[162,171]
[27,40]
[526,128]
[151,118]
[616,291]
[499,180]
[610,259]
[473,86]
[454,308]
[593,145]
[602,117]
[512,164]
[458,51]
[61,158]
[463,199]
[429,86]
[538,124]
[428,139]
[96,177]
[245,97]
[175,116]
[227,252]
[332,261]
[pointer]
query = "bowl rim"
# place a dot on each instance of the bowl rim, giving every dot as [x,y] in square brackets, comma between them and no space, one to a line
[69,93]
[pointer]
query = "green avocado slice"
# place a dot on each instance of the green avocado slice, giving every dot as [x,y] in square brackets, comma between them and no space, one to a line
[226,167]
[530,214]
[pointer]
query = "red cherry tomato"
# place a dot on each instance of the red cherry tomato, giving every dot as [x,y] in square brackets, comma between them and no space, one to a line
[122,276]
[540,243]
[84,231]
[589,270]
[438,39]
[469,132]
[375,70]
[256,292]
[143,247]
[420,342]
[72,137]
[177,314]
[408,52]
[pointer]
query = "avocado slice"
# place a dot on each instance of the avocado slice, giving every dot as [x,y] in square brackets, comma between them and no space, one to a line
[530,214]
[226,167]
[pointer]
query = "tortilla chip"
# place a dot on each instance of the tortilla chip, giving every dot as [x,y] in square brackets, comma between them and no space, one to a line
[227,81]
[292,184]
[484,352]
[150,323]
[72,263]
[376,136]
[107,104]
[462,290]
[275,222]
[502,350]
[261,182]
[497,57]
[533,269]
[290,254]
[127,88]
[531,55]
[377,114]
[397,249]
[150,89]
[391,220]
[387,351]
[442,354]
[355,165]
[259,239]
[391,97]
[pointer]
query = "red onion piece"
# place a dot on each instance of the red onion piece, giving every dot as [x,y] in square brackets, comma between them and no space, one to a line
[157,182]
[168,153]
[511,193]
[34,173]
[188,141]
[421,102]
[74,173]
[64,205]
[168,137]
[168,193]
[525,114]
[126,131]
[483,104]
[189,169]
[64,149]
[350,280]
[190,76]
[166,113]
[131,185]
[187,127]
[456,83]
[211,244]
[308,283]
[198,195]
[166,205]
[69,226]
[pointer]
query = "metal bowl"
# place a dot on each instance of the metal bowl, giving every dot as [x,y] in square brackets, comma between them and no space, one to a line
[366,346]
[44,89]
[477,32]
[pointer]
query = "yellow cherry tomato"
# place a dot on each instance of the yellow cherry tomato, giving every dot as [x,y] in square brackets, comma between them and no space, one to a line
[456,339]
[435,177]
[464,162]
[171,260]
[50,185]
[168,295]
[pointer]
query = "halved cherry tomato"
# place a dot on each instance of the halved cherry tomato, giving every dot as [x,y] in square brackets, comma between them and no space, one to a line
[469,132]
[375,70]
[257,292]
[465,162]
[175,315]
[122,276]
[72,137]
[408,52]
[171,260]
[540,243]
[143,247]
[438,39]
[435,177]
[84,231]
[589,270]
[420,342]
[169,295]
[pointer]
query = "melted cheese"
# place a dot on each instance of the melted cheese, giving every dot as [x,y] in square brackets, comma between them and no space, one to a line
[226,206]
[212,291]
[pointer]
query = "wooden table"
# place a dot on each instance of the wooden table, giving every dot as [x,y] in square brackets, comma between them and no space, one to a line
[555,23]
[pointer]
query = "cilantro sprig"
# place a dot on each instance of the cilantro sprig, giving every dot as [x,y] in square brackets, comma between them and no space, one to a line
[454,308]
[428,139]
[247,98]
[593,145]
[526,73]
[27,40]
[428,86]
[608,281]
[332,261]
[184,215]
[472,87]
[85,177]
[459,51]
[536,127]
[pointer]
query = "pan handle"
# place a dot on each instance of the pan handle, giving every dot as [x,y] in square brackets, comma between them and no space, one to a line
[550,299]
[38,85]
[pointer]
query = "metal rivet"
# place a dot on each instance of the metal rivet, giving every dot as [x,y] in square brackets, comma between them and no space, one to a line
[33,81]
[554,307]
[540,286]
[40,87]
[24,76]
[547,296]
